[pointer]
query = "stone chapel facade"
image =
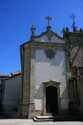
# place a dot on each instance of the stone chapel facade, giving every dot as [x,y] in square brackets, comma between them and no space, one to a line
[52,71]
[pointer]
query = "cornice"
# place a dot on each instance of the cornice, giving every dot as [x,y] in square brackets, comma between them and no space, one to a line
[44,45]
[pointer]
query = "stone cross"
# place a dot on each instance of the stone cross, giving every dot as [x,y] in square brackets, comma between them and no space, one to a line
[33,30]
[73,17]
[48,19]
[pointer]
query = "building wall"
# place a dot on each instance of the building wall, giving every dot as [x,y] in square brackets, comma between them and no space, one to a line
[11,96]
[44,69]
[1,93]
[81,94]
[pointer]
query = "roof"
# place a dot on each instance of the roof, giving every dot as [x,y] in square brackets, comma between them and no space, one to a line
[47,36]
[3,76]
[13,74]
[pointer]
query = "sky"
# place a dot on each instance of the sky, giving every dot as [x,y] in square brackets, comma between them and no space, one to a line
[17,17]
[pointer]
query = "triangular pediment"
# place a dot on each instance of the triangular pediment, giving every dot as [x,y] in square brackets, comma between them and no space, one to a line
[46,37]
[49,36]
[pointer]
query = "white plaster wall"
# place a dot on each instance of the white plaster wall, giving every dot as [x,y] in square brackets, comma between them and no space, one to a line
[45,69]
[12,93]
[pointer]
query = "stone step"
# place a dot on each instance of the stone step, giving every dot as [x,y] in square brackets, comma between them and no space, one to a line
[58,118]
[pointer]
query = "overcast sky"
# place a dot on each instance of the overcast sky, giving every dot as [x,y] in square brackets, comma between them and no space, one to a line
[16,18]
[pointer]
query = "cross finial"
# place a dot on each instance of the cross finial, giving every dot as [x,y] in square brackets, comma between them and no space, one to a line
[48,19]
[73,24]
[73,17]
[33,30]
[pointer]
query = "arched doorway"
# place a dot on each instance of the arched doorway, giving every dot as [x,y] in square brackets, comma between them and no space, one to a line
[51,99]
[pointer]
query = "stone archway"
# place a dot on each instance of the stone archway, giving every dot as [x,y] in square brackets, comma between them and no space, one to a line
[51,103]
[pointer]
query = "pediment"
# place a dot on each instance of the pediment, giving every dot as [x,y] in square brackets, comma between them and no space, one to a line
[49,36]
[51,83]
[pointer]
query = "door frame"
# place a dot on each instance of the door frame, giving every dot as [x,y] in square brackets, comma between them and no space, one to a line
[45,85]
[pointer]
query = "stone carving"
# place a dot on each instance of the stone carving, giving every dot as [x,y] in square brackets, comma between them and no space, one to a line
[50,53]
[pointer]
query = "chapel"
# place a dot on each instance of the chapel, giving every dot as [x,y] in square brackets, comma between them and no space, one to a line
[50,85]
[52,73]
